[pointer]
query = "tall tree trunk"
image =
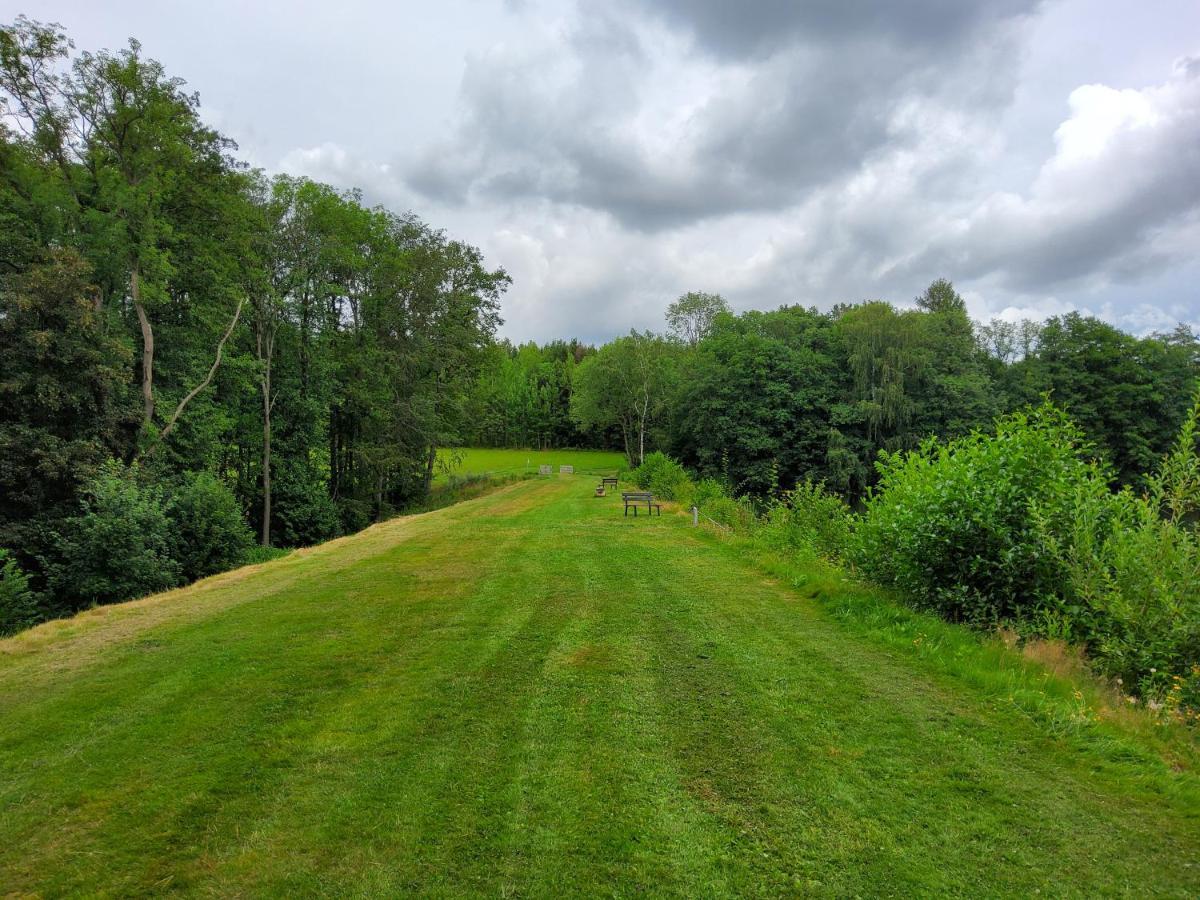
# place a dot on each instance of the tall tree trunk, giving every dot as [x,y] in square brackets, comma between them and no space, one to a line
[266,455]
[135,293]
[429,463]
[432,458]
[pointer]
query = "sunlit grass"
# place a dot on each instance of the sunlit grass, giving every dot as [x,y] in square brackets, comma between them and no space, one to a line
[466,462]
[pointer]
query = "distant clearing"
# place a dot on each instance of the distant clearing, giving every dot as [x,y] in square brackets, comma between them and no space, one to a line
[484,461]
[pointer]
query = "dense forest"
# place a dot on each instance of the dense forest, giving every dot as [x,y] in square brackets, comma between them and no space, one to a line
[200,362]
[191,351]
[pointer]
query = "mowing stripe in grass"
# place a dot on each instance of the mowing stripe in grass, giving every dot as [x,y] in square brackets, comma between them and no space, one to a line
[529,694]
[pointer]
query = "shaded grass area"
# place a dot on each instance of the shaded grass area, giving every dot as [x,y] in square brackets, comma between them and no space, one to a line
[528,694]
[477,461]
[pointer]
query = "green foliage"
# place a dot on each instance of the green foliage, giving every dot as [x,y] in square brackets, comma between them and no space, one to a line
[18,604]
[626,384]
[754,400]
[64,395]
[662,476]
[691,317]
[1131,575]
[1021,527]
[522,398]
[257,554]
[1128,394]
[119,546]
[209,529]
[304,513]
[809,518]
[950,525]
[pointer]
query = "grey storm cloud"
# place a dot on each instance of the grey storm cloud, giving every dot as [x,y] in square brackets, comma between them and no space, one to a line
[747,29]
[776,124]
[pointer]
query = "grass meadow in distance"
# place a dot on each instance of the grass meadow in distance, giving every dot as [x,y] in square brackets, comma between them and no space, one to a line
[501,461]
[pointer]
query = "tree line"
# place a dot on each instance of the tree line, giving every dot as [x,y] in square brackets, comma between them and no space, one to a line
[190,349]
[766,400]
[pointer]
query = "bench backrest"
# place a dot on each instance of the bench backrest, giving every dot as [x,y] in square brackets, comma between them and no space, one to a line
[637,495]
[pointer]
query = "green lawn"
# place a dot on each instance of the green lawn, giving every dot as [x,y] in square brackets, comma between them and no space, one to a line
[488,461]
[527,694]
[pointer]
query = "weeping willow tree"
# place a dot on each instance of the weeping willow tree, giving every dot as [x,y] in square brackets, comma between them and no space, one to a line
[888,355]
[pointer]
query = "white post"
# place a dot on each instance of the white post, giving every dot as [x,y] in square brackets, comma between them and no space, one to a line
[695,516]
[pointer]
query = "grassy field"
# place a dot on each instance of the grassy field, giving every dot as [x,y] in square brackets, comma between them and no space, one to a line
[527,694]
[490,461]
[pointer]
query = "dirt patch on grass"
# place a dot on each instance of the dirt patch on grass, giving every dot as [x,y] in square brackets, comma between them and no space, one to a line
[590,656]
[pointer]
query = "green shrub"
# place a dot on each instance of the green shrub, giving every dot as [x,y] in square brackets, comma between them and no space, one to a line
[18,604]
[810,518]
[952,525]
[260,554]
[211,535]
[355,515]
[304,514]
[705,493]
[120,546]
[662,476]
[1131,585]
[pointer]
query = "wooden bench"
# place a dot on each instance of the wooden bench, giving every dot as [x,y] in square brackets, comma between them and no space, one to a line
[633,499]
[608,480]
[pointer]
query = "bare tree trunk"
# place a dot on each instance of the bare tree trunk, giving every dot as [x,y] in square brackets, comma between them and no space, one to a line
[170,426]
[135,293]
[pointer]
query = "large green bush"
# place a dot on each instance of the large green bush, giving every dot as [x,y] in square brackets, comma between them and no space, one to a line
[210,533]
[662,476]
[118,547]
[1131,575]
[951,525]
[1021,527]
[18,604]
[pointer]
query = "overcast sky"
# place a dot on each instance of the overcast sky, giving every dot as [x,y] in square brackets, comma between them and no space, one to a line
[1043,156]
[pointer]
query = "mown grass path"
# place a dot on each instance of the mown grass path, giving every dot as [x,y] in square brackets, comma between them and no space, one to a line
[529,695]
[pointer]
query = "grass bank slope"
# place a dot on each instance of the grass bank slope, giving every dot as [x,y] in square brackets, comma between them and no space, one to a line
[528,694]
